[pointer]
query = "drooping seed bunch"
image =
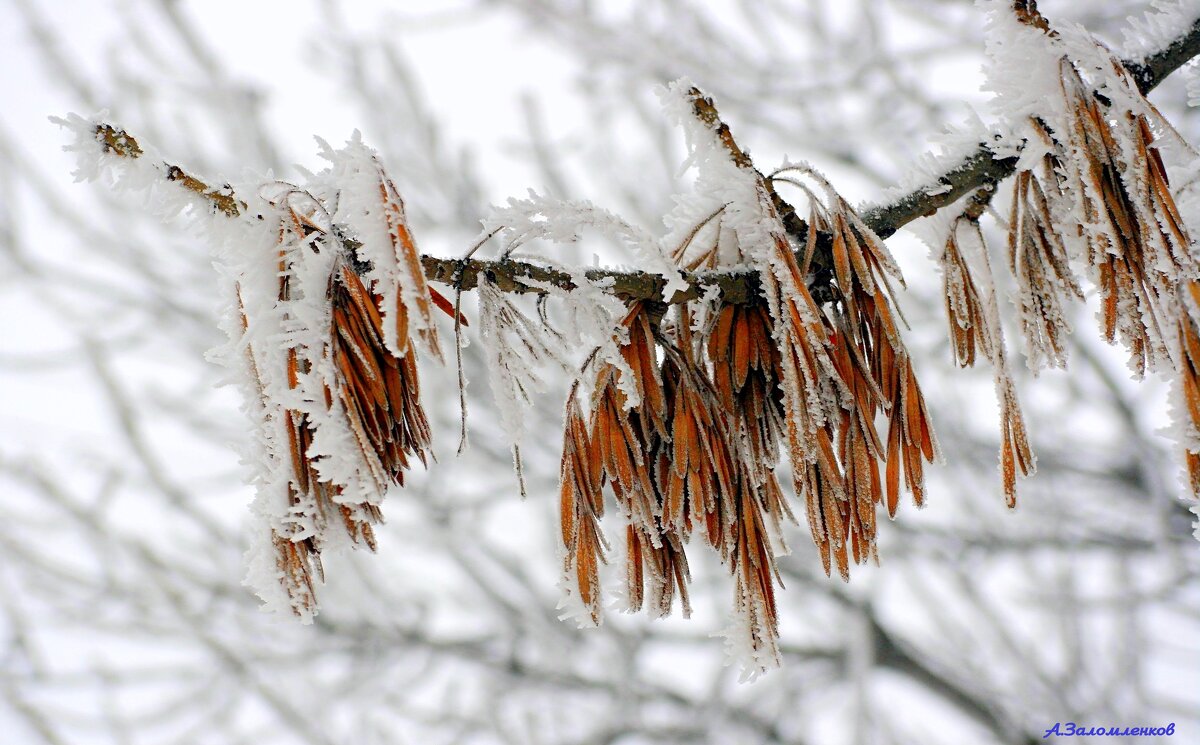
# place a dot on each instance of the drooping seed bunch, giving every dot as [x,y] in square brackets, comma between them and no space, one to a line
[685,416]
[1038,259]
[1100,196]
[349,302]
[970,332]
[1189,377]
[630,438]
[975,328]
[309,494]
[720,389]
[581,507]
[674,459]
[872,360]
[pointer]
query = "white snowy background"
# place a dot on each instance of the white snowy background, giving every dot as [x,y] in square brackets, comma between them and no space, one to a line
[123,510]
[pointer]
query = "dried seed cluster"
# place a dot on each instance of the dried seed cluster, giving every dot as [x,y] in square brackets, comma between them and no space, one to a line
[1100,196]
[351,376]
[975,328]
[675,464]
[686,419]
[699,447]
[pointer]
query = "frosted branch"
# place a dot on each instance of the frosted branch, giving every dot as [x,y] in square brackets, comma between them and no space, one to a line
[977,170]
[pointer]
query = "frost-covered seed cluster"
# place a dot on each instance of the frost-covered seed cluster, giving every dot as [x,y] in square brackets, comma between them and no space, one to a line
[720,388]
[325,297]
[684,412]
[1092,190]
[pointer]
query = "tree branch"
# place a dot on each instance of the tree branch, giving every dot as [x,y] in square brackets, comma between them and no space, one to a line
[981,169]
[978,170]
